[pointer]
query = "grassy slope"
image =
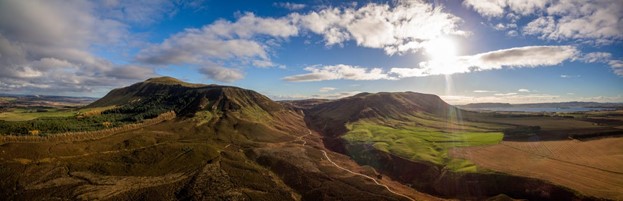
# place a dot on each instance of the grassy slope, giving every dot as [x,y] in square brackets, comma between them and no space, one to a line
[423,139]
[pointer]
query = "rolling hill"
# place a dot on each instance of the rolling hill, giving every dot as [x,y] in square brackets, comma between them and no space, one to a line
[229,143]
[226,143]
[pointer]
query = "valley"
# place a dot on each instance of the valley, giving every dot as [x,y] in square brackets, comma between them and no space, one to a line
[174,140]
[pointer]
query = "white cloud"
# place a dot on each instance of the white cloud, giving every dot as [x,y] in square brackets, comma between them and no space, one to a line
[290,6]
[569,76]
[326,89]
[491,8]
[221,40]
[264,63]
[500,27]
[512,33]
[134,72]
[483,91]
[45,47]
[339,72]
[505,94]
[596,57]
[225,42]
[498,8]
[396,28]
[335,95]
[616,63]
[617,66]
[604,57]
[221,74]
[597,22]
[519,57]
[315,96]
[523,90]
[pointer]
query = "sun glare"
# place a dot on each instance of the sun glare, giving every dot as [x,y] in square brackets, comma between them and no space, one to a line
[441,49]
[442,54]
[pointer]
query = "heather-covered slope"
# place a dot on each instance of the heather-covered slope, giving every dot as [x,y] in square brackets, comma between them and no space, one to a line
[226,143]
[331,117]
[408,137]
[185,98]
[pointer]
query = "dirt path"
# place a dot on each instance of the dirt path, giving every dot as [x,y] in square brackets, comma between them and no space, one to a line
[363,175]
[300,138]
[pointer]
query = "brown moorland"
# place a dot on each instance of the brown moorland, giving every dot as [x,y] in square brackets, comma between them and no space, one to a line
[230,144]
[593,167]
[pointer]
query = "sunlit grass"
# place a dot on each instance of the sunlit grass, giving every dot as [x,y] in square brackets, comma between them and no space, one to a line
[420,143]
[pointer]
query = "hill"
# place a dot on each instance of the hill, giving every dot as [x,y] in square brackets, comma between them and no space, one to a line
[332,116]
[573,104]
[229,143]
[166,93]
[409,137]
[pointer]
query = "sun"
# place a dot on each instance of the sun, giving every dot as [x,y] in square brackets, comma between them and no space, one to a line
[441,48]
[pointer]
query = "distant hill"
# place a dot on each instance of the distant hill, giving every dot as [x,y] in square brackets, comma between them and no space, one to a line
[331,116]
[229,143]
[486,105]
[573,104]
[305,103]
[12,100]
[382,104]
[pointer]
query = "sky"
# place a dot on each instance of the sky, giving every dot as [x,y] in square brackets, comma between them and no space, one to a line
[512,51]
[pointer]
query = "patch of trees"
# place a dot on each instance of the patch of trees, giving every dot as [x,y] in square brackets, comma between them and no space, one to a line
[111,118]
[152,107]
[85,135]
[136,112]
[52,125]
[522,130]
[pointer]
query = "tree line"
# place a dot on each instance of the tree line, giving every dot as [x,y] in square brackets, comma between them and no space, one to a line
[88,135]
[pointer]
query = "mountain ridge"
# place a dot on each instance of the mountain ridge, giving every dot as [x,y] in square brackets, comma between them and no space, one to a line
[185,98]
[232,143]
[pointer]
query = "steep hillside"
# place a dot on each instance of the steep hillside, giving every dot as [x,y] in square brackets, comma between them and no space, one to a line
[229,143]
[408,136]
[331,117]
[185,98]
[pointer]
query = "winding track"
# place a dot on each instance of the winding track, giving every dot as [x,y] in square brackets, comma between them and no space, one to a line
[355,173]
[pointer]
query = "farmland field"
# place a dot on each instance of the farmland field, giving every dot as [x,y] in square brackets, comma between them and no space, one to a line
[592,167]
[25,114]
[421,143]
[30,114]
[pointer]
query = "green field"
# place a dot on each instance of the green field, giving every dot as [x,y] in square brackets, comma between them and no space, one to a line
[420,143]
[30,114]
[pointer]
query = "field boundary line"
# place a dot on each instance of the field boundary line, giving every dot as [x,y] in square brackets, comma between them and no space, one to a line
[560,160]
